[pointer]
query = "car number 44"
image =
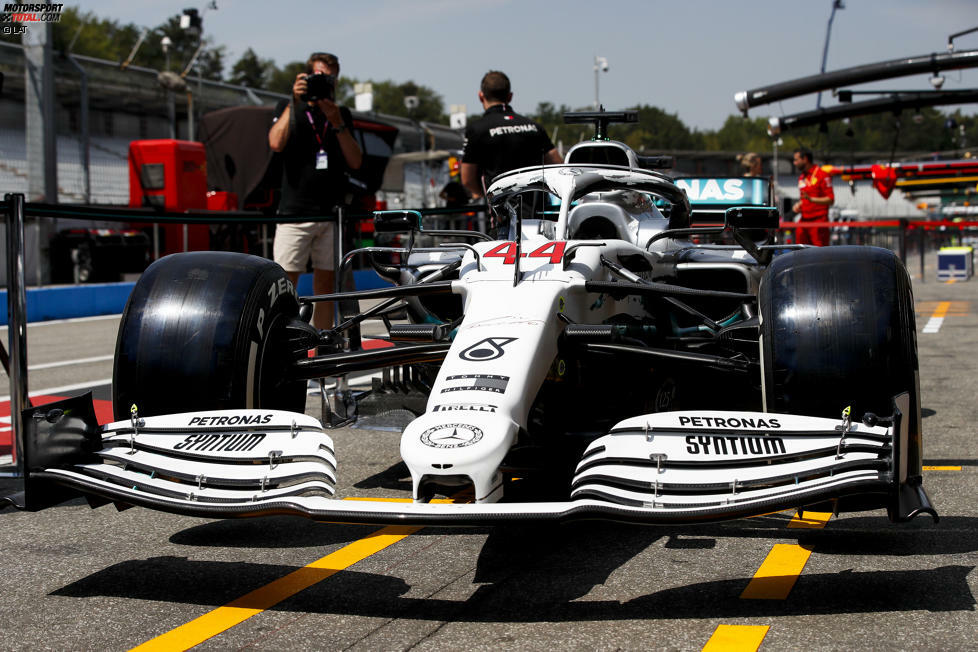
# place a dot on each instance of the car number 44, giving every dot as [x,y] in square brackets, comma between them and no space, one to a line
[507,251]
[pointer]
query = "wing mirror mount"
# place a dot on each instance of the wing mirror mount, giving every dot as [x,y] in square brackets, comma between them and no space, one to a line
[741,219]
[751,217]
[397,221]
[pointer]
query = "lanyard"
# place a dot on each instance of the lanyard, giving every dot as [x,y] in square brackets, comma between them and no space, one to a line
[319,139]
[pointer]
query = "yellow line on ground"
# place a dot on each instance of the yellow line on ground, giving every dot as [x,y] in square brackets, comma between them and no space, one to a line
[237,611]
[778,573]
[810,520]
[736,638]
[772,581]
[223,618]
[942,468]
[941,309]
[955,308]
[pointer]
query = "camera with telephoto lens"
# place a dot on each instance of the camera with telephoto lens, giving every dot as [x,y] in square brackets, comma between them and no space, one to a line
[319,86]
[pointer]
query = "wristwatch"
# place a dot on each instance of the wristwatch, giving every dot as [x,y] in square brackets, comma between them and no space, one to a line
[340,128]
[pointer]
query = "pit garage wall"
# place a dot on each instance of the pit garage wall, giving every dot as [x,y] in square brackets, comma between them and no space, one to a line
[89,300]
[68,301]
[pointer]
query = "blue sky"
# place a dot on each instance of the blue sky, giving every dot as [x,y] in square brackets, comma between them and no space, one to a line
[686,56]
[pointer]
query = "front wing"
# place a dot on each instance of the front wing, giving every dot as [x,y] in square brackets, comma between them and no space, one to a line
[664,468]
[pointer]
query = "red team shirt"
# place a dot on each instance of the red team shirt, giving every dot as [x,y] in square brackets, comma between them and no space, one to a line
[815,182]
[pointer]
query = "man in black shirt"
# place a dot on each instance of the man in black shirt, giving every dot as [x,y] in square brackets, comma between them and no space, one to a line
[317,150]
[502,140]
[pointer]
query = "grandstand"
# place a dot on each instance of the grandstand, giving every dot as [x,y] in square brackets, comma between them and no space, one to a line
[108,167]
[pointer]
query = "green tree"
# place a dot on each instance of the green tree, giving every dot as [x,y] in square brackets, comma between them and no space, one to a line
[92,36]
[551,118]
[282,79]
[927,130]
[657,130]
[252,71]
[95,37]
[210,63]
[389,98]
[739,134]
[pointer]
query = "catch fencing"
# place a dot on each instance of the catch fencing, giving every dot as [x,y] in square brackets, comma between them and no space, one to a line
[913,240]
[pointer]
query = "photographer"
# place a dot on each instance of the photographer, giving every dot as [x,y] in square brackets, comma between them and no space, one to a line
[312,133]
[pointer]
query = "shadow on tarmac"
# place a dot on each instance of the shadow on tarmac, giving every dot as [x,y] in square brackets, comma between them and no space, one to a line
[538,574]
[951,462]
[395,476]
[270,532]
[545,593]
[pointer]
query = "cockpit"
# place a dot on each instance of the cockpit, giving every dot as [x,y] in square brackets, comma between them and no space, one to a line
[585,202]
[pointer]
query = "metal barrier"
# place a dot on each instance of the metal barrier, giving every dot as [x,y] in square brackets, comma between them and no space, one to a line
[902,235]
[17,321]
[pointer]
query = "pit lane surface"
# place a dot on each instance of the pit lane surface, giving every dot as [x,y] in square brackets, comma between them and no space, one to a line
[83,579]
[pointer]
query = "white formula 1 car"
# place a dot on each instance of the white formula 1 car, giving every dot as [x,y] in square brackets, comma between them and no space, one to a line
[608,356]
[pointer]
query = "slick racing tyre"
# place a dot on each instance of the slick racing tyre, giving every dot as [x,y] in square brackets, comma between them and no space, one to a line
[205,331]
[838,330]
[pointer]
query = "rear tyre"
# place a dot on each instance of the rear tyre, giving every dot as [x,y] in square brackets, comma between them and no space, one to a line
[838,330]
[205,331]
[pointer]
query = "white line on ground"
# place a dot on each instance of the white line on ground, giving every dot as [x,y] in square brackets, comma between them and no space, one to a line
[937,319]
[933,324]
[66,363]
[73,320]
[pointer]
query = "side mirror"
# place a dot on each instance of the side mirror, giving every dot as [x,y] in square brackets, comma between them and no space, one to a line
[396,221]
[752,217]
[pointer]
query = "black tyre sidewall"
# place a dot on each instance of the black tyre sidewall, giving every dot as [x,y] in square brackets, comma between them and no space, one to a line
[838,329]
[194,325]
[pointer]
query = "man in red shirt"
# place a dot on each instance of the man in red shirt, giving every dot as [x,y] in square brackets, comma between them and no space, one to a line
[815,188]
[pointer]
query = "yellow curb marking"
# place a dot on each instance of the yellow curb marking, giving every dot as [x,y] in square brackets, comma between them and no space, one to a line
[223,618]
[736,638]
[810,521]
[778,573]
[237,611]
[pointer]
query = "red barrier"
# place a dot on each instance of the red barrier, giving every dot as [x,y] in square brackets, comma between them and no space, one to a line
[911,224]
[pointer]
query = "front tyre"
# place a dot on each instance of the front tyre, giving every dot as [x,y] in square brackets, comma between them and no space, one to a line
[837,330]
[205,331]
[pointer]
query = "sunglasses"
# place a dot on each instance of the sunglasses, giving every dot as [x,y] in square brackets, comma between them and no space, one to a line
[331,59]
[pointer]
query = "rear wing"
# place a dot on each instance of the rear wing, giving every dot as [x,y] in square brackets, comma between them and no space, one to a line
[709,197]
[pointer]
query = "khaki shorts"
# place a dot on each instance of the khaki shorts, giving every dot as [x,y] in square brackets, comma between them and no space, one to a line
[295,243]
